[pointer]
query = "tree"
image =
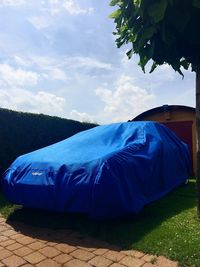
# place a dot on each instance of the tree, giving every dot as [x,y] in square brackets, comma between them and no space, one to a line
[163,32]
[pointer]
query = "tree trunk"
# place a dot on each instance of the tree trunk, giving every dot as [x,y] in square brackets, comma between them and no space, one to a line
[198,138]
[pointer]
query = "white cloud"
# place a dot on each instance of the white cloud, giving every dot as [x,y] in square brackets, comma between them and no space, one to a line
[17,77]
[73,8]
[48,67]
[126,100]
[56,68]
[22,61]
[76,62]
[57,74]
[11,2]
[71,62]
[39,22]
[44,62]
[81,116]
[70,6]
[87,62]
[39,102]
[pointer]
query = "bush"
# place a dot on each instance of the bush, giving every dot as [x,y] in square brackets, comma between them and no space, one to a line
[21,133]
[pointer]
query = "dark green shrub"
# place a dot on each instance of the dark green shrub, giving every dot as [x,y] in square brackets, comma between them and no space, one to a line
[21,133]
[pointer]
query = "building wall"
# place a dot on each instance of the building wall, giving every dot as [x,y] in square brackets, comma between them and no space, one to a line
[181,121]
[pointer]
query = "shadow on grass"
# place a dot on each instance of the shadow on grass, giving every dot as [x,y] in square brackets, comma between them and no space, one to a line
[123,232]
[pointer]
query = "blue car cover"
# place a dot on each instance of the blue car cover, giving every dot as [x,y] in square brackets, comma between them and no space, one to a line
[105,172]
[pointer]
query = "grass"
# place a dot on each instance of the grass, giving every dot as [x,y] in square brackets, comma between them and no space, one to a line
[6,208]
[166,227]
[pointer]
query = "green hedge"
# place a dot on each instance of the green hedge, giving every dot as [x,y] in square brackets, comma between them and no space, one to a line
[21,133]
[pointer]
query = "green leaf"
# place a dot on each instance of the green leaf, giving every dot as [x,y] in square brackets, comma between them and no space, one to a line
[149,50]
[153,67]
[185,64]
[143,61]
[116,14]
[196,3]
[157,10]
[176,66]
[179,17]
[171,2]
[114,2]
[194,67]
[180,72]
[147,33]
[142,36]
[167,35]
[137,2]
[130,53]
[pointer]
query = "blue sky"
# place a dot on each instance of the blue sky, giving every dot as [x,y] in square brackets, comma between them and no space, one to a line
[59,57]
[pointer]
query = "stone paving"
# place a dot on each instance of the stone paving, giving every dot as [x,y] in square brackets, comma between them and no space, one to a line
[22,245]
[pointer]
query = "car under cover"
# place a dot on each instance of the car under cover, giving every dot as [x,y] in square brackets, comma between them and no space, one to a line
[105,172]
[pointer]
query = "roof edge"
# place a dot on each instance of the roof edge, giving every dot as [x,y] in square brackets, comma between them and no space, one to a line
[164,108]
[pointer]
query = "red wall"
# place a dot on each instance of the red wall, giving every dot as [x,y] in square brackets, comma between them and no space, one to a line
[183,129]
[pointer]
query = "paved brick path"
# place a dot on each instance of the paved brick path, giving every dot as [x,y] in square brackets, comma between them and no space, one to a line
[27,246]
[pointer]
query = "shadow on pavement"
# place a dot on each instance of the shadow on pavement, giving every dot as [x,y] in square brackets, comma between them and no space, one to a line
[76,229]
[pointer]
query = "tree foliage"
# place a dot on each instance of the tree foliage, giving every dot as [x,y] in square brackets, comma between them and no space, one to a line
[164,31]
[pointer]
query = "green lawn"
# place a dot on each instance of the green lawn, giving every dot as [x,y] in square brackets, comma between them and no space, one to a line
[166,227]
